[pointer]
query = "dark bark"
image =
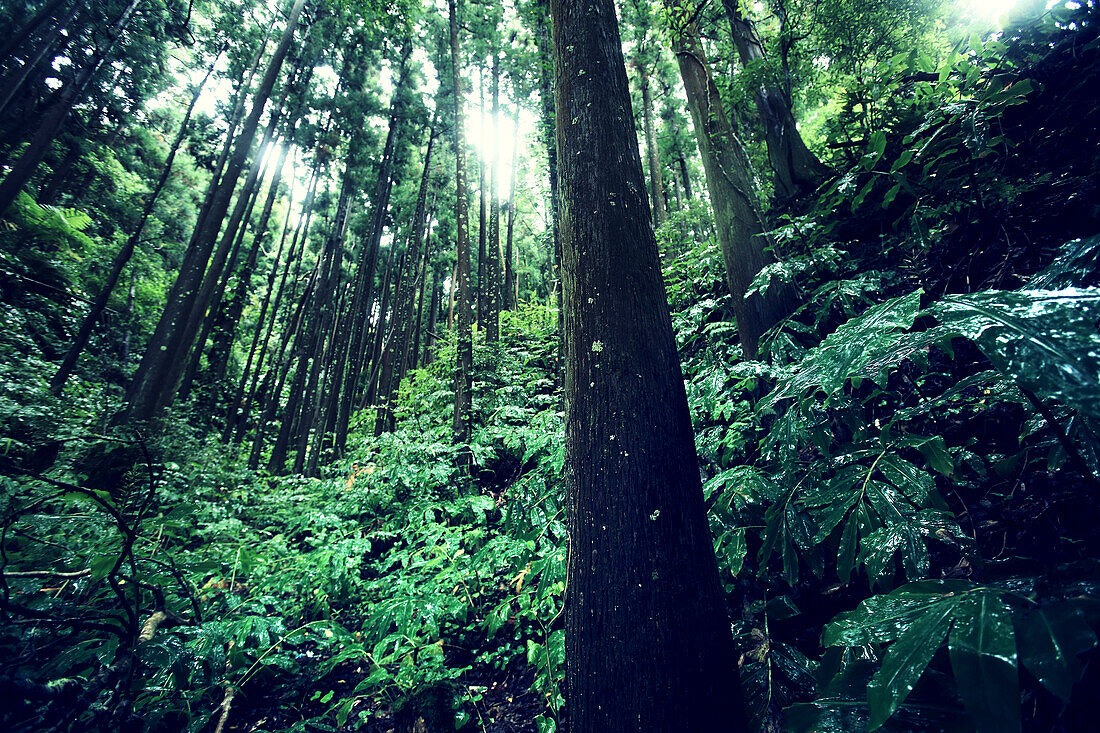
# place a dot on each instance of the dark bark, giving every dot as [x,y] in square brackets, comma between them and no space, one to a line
[646,631]
[797,170]
[685,177]
[492,262]
[58,111]
[653,158]
[122,257]
[155,383]
[465,356]
[730,182]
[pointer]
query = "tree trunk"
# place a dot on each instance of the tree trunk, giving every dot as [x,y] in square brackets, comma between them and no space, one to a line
[127,251]
[51,44]
[646,630]
[797,170]
[225,329]
[492,262]
[464,361]
[656,181]
[435,306]
[731,192]
[511,295]
[484,184]
[58,111]
[367,263]
[393,361]
[154,384]
[236,411]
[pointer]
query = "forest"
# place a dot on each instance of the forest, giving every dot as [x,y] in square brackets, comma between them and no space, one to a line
[549,366]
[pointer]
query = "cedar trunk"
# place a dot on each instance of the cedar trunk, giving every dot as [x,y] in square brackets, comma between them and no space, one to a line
[647,637]
[736,212]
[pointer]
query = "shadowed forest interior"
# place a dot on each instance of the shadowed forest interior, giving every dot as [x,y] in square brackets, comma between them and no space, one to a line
[549,366]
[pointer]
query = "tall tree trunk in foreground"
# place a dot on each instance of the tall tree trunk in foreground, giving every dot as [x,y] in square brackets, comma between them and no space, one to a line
[646,630]
[797,170]
[465,358]
[731,193]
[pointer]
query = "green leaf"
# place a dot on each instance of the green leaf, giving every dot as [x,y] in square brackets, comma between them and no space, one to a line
[982,647]
[884,618]
[1075,264]
[1046,340]
[877,144]
[864,347]
[905,662]
[101,565]
[1050,639]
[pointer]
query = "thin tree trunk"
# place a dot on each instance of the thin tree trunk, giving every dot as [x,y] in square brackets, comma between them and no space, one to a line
[656,181]
[237,411]
[423,280]
[492,262]
[57,112]
[484,184]
[435,306]
[362,301]
[511,292]
[122,257]
[30,27]
[465,356]
[232,310]
[393,365]
[154,385]
[45,47]
[209,319]
[646,630]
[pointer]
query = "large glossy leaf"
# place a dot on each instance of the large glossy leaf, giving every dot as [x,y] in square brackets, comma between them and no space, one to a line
[982,647]
[906,661]
[864,347]
[884,618]
[1077,265]
[1045,340]
[1050,639]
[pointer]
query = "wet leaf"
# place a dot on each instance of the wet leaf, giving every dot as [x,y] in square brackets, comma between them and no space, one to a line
[905,662]
[982,647]
[1045,340]
[1050,639]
